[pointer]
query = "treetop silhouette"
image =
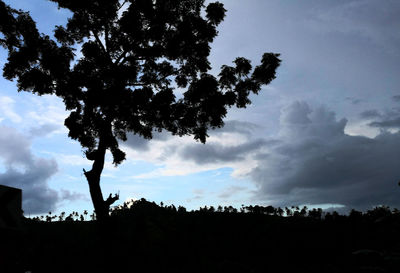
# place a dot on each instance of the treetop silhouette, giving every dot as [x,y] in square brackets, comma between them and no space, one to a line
[133,55]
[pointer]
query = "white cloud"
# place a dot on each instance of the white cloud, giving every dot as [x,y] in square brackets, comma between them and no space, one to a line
[177,156]
[7,109]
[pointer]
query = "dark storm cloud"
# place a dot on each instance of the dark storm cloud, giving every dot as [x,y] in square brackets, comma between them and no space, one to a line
[369,114]
[25,171]
[36,195]
[388,120]
[317,163]
[390,123]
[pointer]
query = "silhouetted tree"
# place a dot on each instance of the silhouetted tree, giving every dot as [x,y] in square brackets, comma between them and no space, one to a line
[288,211]
[315,213]
[269,210]
[280,211]
[133,55]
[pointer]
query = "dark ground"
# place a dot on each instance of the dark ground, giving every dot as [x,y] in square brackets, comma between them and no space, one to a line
[150,238]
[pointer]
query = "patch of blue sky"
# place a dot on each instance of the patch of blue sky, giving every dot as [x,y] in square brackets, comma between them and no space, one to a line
[2,167]
[60,145]
[191,191]
[45,13]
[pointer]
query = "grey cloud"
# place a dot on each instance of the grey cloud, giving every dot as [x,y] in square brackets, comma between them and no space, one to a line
[389,120]
[297,113]
[228,192]
[30,173]
[213,153]
[235,126]
[331,50]
[391,123]
[316,167]
[43,130]
[396,98]
[14,148]
[354,100]
[72,196]
[368,114]
[36,195]
[197,197]
[299,121]
[139,143]
[367,18]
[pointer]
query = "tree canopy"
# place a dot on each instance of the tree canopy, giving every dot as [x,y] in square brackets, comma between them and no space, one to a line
[117,66]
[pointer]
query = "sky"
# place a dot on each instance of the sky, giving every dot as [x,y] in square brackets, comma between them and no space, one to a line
[324,133]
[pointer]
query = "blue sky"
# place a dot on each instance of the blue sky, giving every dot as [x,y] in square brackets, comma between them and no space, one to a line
[325,131]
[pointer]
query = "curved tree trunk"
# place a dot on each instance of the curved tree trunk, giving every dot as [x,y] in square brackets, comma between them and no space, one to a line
[101,206]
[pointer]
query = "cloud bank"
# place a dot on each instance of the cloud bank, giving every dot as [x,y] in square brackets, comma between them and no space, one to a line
[311,160]
[24,170]
[317,163]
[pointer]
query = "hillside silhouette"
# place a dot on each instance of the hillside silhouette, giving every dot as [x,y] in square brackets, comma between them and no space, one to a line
[146,237]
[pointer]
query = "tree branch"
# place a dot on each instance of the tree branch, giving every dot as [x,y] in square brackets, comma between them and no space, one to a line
[121,57]
[110,200]
[100,43]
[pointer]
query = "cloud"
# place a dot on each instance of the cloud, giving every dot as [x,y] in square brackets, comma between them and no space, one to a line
[388,120]
[369,114]
[226,147]
[24,170]
[139,143]
[236,126]
[44,129]
[396,98]
[311,160]
[72,196]
[390,123]
[7,109]
[36,195]
[214,152]
[354,100]
[317,163]
[230,191]
[365,18]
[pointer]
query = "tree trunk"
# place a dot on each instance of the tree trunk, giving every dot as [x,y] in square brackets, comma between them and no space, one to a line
[97,196]
[101,206]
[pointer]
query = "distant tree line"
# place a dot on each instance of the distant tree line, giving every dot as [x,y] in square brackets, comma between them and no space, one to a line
[155,237]
[377,214]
